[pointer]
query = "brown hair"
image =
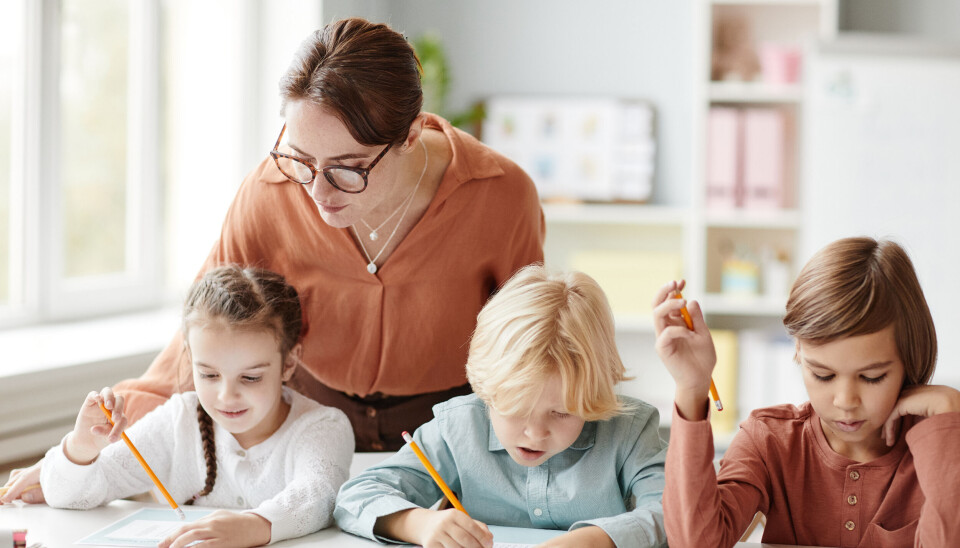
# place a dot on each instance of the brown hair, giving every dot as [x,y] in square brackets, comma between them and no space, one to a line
[365,73]
[242,298]
[539,324]
[858,286]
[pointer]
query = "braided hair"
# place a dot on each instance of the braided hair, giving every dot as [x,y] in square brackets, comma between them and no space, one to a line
[247,298]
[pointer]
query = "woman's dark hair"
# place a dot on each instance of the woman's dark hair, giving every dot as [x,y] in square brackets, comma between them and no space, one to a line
[365,73]
[240,298]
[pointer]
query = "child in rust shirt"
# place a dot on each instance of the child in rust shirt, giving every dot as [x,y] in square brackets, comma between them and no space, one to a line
[869,461]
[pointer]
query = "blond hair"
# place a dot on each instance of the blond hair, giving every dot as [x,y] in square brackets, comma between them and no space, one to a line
[859,286]
[540,324]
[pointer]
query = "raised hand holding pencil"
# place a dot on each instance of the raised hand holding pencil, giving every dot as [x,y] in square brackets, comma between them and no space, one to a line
[685,347]
[689,321]
[90,435]
[146,467]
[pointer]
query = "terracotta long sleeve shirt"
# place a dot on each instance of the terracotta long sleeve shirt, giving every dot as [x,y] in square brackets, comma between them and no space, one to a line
[781,464]
[406,329]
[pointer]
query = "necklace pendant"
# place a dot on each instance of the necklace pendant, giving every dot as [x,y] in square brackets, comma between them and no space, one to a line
[372,268]
[374,236]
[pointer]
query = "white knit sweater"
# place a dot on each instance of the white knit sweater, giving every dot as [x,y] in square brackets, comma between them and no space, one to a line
[291,479]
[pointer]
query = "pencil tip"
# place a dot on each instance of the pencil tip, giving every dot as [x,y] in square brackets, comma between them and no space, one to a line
[181,514]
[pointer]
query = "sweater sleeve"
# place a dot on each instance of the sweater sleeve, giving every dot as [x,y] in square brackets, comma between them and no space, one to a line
[641,476]
[115,473]
[702,507]
[320,449]
[933,441]
[398,483]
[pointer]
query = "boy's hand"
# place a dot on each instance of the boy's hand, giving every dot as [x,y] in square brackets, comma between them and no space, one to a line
[688,354]
[222,529]
[592,536]
[435,529]
[924,401]
[92,431]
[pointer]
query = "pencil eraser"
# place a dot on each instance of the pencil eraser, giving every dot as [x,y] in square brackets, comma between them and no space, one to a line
[406,436]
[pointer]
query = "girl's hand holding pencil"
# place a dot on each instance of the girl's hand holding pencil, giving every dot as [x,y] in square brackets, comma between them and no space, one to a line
[92,431]
[688,353]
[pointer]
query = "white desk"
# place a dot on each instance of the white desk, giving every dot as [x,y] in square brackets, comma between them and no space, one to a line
[61,528]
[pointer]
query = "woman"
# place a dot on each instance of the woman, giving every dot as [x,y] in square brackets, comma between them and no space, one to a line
[394,227]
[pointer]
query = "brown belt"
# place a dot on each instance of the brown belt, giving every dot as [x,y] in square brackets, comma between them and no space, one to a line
[378,419]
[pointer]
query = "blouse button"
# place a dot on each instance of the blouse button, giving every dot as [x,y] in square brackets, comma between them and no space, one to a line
[240,502]
[241,453]
[849,525]
[371,412]
[537,512]
[854,475]
[851,500]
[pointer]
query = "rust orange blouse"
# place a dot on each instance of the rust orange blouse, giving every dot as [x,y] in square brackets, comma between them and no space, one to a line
[406,329]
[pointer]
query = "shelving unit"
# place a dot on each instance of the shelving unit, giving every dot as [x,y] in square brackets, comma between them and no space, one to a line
[694,232]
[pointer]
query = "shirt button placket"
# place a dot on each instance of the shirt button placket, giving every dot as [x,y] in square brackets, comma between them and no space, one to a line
[537,495]
[850,515]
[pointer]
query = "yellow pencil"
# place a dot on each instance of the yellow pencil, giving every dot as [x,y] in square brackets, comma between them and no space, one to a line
[689,321]
[433,472]
[143,463]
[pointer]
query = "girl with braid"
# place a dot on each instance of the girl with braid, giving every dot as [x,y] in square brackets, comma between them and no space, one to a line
[242,440]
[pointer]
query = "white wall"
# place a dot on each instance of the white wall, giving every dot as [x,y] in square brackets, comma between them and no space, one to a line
[628,48]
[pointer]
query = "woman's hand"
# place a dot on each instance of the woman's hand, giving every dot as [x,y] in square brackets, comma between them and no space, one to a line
[688,354]
[591,536]
[25,485]
[92,431]
[922,400]
[222,529]
[435,529]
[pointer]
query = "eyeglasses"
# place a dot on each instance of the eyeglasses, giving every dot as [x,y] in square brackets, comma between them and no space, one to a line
[343,178]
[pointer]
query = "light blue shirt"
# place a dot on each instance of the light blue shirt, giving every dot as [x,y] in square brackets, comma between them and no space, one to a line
[612,476]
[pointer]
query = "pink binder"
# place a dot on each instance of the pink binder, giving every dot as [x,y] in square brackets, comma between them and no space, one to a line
[763,158]
[723,157]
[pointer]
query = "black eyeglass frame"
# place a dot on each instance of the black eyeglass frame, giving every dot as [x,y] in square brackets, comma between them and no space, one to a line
[363,172]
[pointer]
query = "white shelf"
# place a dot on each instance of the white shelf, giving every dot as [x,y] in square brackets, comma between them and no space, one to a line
[743,218]
[725,305]
[753,92]
[607,214]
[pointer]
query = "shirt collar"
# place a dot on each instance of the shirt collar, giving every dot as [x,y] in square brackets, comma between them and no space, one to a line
[586,439]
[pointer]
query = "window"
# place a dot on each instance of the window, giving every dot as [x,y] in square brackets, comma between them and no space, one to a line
[79,213]
[8,55]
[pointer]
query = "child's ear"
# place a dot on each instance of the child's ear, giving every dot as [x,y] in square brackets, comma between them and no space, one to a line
[294,358]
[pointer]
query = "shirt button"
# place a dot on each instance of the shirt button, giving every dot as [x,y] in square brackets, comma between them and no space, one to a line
[537,512]
[241,453]
[239,501]
[371,412]
[377,445]
[849,525]
[854,475]
[851,500]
